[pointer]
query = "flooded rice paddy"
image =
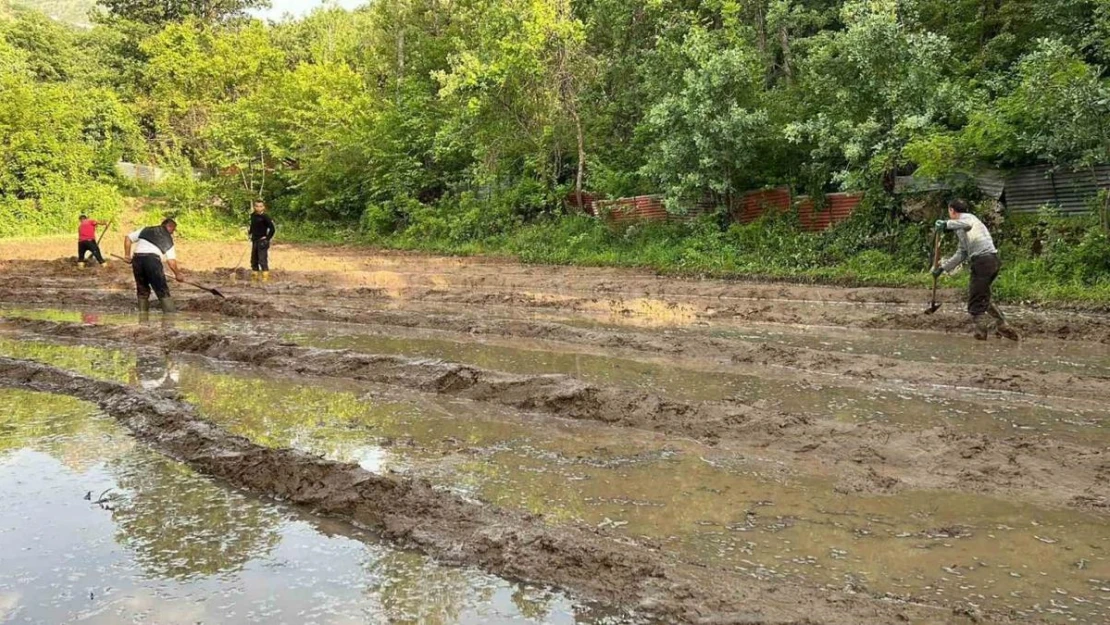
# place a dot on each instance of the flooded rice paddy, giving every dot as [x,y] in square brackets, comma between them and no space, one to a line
[706,504]
[801,504]
[99,529]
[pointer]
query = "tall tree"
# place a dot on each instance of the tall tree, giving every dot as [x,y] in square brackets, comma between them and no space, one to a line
[160,12]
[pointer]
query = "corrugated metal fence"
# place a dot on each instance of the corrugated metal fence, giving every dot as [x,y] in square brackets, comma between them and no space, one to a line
[754,203]
[643,208]
[748,207]
[1071,192]
[145,173]
[837,208]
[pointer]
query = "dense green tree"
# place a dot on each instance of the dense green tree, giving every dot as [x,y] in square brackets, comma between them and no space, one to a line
[159,12]
[468,117]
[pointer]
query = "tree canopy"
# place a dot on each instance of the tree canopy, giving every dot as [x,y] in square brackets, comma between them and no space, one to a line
[410,108]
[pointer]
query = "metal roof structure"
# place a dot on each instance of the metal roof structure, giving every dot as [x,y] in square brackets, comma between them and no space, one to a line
[1070,192]
[1027,189]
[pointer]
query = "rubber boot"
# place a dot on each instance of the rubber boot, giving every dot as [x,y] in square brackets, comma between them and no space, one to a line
[144,305]
[168,305]
[80,264]
[256,277]
[265,276]
[1003,329]
[982,325]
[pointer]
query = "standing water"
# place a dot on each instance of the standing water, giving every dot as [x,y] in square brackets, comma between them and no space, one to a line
[98,529]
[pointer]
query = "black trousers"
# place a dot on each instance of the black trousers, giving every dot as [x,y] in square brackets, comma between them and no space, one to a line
[149,276]
[260,255]
[89,247]
[984,269]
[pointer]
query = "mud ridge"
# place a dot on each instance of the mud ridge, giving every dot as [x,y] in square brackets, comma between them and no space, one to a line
[736,351]
[621,570]
[866,457]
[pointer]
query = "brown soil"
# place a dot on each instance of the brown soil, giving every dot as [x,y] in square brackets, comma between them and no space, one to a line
[709,327]
[330,278]
[587,560]
[867,457]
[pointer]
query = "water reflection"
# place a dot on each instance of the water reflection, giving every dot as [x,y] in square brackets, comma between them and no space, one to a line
[707,505]
[796,393]
[174,547]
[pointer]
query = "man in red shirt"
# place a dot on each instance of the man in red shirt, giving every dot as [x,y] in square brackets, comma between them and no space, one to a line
[86,240]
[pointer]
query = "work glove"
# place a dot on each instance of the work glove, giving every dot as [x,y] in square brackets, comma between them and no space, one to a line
[937,271]
[940,226]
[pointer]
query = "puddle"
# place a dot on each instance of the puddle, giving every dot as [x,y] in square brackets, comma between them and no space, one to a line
[169,546]
[970,410]
[914,406]
[952,349]
[704,504]
[707,505]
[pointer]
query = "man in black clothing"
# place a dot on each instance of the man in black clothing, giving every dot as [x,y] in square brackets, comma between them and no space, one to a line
[261,232]
[151,246]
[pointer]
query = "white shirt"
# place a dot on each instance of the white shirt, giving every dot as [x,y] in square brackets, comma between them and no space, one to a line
[146,247]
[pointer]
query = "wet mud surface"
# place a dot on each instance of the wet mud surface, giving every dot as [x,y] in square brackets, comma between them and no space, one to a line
[703,506]
[866,457]
[155,542]
[413,513]
[753,452]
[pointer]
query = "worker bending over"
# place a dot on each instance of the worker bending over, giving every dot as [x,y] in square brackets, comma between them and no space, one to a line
[977,249]
[151,245]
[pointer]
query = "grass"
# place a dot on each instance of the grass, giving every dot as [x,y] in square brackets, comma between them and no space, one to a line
[1073,269]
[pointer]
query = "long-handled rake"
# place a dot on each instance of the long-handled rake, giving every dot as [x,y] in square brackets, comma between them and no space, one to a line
[934,305]
[215,292]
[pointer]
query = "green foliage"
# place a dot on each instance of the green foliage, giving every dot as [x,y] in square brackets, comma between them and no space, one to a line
[467,126]
[59,138]
[158,12]
[712,133]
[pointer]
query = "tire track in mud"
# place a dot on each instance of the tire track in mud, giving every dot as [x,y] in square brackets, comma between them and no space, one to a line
[725,351]
[860,366]
[618,570]
[865,457]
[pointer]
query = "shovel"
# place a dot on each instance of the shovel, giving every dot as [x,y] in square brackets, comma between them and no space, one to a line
[215,292]
[106,227]
[934,305]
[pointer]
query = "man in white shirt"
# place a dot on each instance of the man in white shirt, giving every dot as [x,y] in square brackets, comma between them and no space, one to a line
[976,248]
[151,245]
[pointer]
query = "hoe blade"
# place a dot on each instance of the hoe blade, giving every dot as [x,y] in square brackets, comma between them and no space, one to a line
[932,308]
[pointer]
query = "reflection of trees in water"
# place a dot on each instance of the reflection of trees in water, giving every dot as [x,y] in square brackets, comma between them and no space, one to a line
[532,603]
[414,589]
[154,371]
[279,413]
[67,429]
[178,524]
[96,362]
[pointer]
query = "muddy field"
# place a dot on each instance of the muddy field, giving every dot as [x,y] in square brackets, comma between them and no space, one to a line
[565,445]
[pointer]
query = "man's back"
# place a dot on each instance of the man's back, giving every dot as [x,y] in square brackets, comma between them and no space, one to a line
[87,230]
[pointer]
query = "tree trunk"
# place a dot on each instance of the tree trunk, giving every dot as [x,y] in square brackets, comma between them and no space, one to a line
[580,175]
[784,40]
[400,61]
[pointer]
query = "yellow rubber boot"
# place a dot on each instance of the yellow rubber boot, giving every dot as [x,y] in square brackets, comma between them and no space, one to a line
[255,277]
[265,276]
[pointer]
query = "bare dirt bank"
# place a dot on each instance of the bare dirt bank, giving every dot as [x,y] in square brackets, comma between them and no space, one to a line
[336,283]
